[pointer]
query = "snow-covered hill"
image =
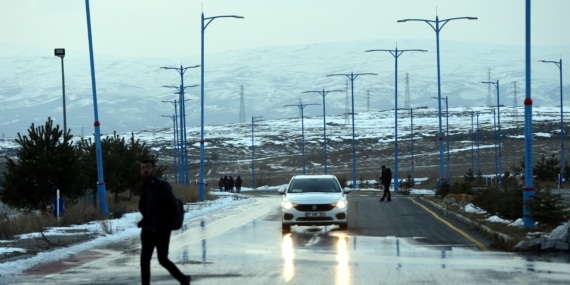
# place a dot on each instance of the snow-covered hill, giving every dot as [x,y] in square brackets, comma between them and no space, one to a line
[129,90]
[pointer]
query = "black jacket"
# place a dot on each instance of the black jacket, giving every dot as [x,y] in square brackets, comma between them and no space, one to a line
[386,178]
[157,205]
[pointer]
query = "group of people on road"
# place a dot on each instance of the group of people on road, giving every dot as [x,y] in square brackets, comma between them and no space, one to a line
[227,184]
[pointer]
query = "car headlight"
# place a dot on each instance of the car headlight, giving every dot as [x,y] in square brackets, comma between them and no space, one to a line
[340,204]
[288,205]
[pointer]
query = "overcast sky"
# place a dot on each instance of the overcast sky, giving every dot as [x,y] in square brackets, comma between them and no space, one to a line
[172,27]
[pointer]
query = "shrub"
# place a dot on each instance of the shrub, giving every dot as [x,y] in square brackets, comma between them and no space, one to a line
[547,209]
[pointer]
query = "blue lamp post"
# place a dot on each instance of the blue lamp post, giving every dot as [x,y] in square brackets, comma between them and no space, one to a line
[353,76]
[437,25]
[253,120]
[182,166]
[496,148]
[396,54]
[174,143]
[205,22]
[324,93]
[183,175]
[500,156]
[478,135]
[101,189]
[447,137]
[412,141]
[178,147]
[301,107]
[472,143]
[562,159]
[528,189]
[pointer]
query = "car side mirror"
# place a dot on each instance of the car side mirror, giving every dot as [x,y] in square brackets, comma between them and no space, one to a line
[282,191]
[346,190]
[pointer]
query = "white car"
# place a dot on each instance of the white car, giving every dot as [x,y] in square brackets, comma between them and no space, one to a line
[314,200]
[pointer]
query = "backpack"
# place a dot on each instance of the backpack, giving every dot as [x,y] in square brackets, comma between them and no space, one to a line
[178,217]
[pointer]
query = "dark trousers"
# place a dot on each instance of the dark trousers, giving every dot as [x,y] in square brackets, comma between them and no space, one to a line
[160,240]
[386,195]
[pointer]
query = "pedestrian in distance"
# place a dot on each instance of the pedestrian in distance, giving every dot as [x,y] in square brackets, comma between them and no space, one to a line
[157,205]
[232,182]
[221,184]
[238,184]
[226,183]
[386,180]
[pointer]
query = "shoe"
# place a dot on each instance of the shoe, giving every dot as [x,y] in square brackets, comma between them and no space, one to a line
[188,280]
[389,200]
[381,200]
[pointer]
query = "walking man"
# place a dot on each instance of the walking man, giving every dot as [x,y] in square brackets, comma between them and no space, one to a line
[157,204]
[386,180]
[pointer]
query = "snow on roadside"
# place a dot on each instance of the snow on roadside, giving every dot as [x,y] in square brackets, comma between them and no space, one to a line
[122,229]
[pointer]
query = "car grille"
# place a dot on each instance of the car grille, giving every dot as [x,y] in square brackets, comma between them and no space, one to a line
[314,207]
[304,219]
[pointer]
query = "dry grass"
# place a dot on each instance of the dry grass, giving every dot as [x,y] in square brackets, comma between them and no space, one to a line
[515,233]
[14,224]
[22,223]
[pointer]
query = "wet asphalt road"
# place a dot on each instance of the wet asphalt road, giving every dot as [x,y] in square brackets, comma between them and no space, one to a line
[405,241]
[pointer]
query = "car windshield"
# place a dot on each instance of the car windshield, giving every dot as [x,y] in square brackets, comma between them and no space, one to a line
[313,185]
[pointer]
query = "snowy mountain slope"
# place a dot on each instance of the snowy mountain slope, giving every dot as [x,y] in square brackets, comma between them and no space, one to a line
[129,89]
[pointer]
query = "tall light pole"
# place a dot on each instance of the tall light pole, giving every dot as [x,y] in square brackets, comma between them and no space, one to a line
[562,159]
[184,176]
[396,54]
[473,136]
[60,52]
[412,141]
[324,93]
[301,107]
[500,156]
[447,137]
[253,120]
[205,22]
[496,148]
[101,189]
[178,147]
[174,141]
[478,147]
[528,189]
[435,25]
[353,76]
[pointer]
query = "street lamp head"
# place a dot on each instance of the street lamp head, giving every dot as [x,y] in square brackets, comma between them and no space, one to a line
[548,61]
[401,21]
[472,18]
[59,52]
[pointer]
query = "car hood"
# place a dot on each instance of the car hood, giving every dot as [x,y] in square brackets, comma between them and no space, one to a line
[313,198]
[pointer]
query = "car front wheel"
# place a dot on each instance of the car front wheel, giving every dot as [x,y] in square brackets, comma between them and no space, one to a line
[285,228]
[343,226]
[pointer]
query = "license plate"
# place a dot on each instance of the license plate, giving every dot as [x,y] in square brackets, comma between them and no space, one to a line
[314,214]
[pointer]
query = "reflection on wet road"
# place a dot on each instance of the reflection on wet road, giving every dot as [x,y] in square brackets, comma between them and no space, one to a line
[245,245]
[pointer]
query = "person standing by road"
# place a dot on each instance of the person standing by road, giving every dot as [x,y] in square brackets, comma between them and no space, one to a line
[157,204]
[238,184]
[221,184]
[386,180]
